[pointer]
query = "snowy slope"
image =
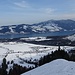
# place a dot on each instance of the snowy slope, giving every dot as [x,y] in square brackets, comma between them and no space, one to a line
[26,51]
[14,51]
[42,27]
[56,67]
[72,37]
[52,27]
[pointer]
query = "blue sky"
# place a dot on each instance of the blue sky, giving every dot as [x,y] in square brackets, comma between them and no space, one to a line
[33,11]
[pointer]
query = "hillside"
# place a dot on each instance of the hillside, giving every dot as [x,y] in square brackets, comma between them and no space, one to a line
[42,27]
[56,67]
[71,37]
[19,52]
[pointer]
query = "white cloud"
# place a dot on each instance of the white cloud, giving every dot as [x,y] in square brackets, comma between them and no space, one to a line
[46,10]
[22,4]
[49,10]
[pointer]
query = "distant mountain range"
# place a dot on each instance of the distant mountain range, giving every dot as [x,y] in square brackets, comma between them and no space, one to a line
[42,27]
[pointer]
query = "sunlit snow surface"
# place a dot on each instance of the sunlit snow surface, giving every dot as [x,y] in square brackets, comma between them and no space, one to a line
[72,37]
[24,50]
[14,51]
[56,67]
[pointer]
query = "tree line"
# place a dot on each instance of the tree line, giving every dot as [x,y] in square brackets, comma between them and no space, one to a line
[15,70]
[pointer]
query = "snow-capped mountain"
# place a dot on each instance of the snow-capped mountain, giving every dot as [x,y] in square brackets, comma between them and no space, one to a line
[42,27]
[56,67]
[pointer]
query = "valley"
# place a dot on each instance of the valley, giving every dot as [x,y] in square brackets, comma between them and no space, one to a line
[26,47]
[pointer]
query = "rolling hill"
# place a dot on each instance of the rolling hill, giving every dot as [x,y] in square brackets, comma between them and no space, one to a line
[56,67]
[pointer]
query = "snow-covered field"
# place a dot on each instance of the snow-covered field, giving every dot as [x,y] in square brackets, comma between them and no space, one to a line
[26,50]
[35,39]
[56,67]
[14,51]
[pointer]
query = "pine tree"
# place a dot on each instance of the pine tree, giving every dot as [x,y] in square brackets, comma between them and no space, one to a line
[4,67]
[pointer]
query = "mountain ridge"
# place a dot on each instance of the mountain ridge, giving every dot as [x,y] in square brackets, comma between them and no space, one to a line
[42,27]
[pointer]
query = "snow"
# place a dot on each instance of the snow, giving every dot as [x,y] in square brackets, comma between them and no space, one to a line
[51,27]
[12,31]
[1,28]
[16,47]
[72,37]
[22,32]
[9,67]
[14,51]
[56,67]
[3,52]
[35,39]
[22,63]
[25,27]
[38,28]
